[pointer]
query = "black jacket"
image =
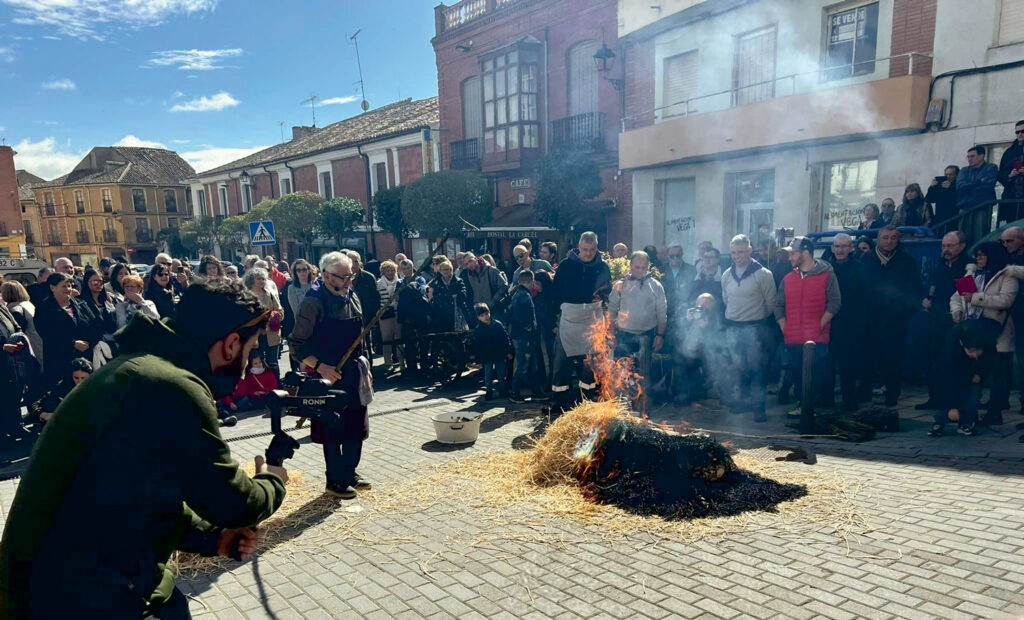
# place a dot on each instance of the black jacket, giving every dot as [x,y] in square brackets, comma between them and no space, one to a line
[491,342]
[38,292]
[576,282]
[448,299]
[678,287]
[413,309]
[941,282]
[956,372]
[60,331]
[944,201]
[850,324]
[1012,188]
[365,286]
[703,284]
[895,289]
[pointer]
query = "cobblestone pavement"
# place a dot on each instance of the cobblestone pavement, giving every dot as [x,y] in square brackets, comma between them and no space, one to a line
[943,540]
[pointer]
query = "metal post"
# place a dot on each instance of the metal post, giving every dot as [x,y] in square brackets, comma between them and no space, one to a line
[807,392]
[910,70]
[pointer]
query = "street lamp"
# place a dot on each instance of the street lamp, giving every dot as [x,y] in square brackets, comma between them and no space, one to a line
[604,59]
[245,177]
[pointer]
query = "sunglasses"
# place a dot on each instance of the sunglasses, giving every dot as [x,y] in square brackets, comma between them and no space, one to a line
[301,270]
[1019,131]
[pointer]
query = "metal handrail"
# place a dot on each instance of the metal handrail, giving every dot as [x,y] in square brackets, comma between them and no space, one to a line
[792,76]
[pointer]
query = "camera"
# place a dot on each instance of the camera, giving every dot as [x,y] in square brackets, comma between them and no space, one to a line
[307,396]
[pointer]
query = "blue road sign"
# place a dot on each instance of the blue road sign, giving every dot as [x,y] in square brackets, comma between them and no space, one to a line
[262,233]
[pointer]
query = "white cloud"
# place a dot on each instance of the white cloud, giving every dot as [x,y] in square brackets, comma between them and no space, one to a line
[177,94]
[62,84]
[192,60]
[89,19]
[212,157]
[206,104]
[131,140]
[2,128]
[180,141]
[6,54]
[50,123]
[334,100]
[45,158]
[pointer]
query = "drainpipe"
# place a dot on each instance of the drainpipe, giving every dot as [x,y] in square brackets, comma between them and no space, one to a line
[547,99]
[291,174]
[369,199]
[270,179]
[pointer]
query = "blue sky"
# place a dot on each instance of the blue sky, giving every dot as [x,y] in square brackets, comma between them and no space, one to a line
[211,79]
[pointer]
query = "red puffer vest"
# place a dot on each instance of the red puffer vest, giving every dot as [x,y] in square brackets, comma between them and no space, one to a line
[805,304]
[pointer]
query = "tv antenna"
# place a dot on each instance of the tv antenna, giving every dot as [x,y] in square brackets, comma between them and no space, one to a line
[365,104]
[312,104]
[282,131]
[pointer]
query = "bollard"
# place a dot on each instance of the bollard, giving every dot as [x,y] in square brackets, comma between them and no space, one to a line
[807,391]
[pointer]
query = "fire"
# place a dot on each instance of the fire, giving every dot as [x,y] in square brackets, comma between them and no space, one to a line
[616,378]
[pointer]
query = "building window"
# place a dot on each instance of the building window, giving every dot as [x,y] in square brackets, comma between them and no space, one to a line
[48,203]
[754,75]
[852,35]
[848,187]
[139,199]
[679,84]
[755,204]
[510,101]
[27,227]
[79,201]
[170,201]
[246,197]
[1011,22]
[172,222]
[201,199]
[381,172]
[582,78]
[108,202]
[472,121]
[108,224]
[223,196]
[54,232]
[142,232]
[326,185]
[286,186]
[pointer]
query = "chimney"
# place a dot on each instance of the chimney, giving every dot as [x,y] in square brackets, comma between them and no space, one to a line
[302,131]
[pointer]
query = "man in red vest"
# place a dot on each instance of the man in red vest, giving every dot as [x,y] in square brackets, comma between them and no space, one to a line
[808,298]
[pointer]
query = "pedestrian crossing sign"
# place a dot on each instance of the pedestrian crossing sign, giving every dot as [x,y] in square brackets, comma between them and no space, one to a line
[262,233]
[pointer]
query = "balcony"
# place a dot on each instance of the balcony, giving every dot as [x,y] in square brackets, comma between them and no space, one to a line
[82,236]
[886,106]
[50,210]
[30,238]
[54,240]
[448,18]
[144,235]
[109,236]
[583,132]
[108,206]
[464,154]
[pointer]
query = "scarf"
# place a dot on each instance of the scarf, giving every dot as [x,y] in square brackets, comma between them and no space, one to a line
[882,258]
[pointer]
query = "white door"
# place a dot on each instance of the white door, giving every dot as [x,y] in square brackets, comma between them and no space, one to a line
[680,198]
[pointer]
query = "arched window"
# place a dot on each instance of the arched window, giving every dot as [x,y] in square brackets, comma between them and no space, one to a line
[582,78]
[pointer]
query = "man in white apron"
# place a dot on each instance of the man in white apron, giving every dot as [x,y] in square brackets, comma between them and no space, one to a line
[582,284]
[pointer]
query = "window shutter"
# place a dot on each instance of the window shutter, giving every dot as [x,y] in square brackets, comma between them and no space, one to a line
[755,67]
[582,78]
[1011,22]
[472,118]
[680,84]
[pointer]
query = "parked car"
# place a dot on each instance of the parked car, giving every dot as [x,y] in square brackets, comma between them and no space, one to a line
[141,269]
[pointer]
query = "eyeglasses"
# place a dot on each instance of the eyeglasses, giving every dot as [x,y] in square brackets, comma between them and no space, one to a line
[301,270]
[1003,241]
[842,245]
[675,256]
[343,278]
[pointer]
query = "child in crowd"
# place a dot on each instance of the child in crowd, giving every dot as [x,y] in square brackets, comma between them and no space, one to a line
[491,346]
[249,393]
[966,362]
[522,321]
[42,409]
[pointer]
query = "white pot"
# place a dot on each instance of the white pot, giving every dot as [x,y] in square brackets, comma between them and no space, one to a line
[457,427]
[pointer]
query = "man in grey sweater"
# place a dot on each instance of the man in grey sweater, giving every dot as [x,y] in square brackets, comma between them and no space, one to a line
[748,289]
[638,311]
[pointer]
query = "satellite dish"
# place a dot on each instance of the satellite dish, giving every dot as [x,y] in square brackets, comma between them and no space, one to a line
[365,105]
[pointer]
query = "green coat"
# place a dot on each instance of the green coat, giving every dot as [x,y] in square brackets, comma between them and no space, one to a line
[131,467]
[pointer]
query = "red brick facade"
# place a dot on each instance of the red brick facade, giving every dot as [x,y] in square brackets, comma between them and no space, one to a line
[350,178]
[410,163]
[557,26]
[913,30]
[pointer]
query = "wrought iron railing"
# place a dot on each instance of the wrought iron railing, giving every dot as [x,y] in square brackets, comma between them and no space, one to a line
[109,236]
[54,240]
[144,236]
[82,236]
[465,154]
[580,131]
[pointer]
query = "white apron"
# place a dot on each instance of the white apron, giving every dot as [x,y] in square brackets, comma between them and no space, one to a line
[576,322]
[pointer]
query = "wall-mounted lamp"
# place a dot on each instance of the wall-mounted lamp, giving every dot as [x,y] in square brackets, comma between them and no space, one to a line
[604,59]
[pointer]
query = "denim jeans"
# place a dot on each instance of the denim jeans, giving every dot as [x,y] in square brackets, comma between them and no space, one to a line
[494,372]
[524,359]
[342,460]
[968,407]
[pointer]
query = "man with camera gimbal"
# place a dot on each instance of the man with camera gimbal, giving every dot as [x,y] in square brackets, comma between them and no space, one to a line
[132,467]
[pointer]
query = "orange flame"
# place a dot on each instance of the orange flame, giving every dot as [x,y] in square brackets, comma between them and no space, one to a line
[615,377]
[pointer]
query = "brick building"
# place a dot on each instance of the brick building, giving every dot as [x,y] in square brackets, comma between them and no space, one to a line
[744,116]
[389,146]
[12,234]
[114,203]
[517,79]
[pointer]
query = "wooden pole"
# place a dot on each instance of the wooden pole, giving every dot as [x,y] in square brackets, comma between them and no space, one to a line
[807,392]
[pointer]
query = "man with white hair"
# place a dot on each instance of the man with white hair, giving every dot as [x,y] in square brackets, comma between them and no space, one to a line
[328,321]
[582,283]
[748,290]
[850,325]
[365,285]
[64,265]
